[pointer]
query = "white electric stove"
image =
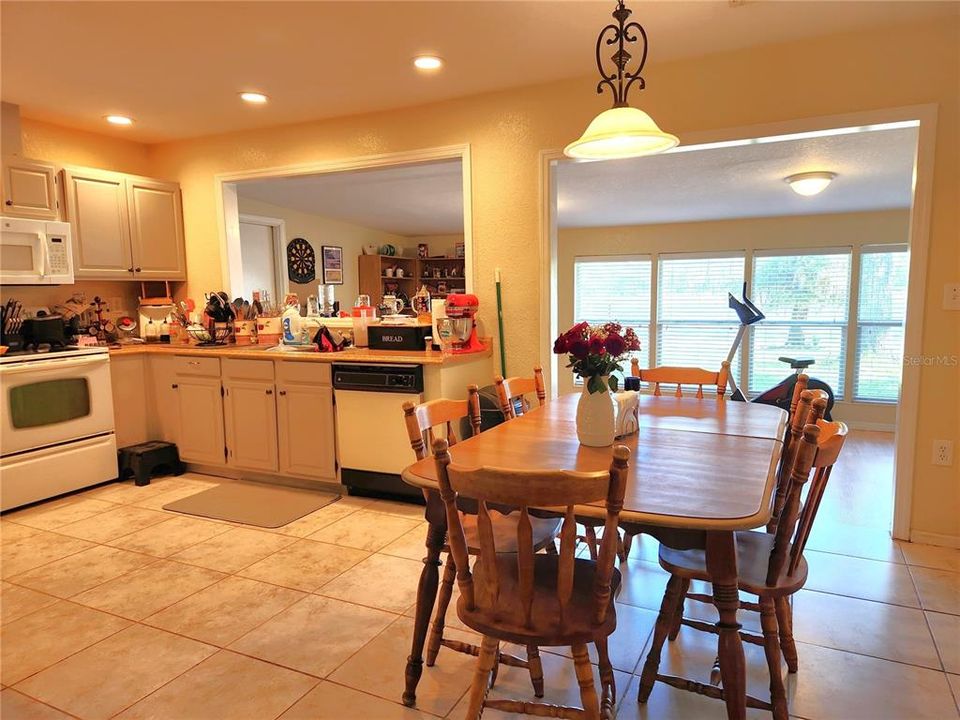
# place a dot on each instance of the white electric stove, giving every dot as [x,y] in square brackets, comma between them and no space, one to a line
[56,423]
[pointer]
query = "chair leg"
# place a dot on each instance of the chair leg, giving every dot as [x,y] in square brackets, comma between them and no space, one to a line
[536,669]
[439,619]
[481,678]
[771,648]
[590,533]
[588,692]
[608,685]
[551,548]
[678,615]
[785,624]
[627,544]
[664,622]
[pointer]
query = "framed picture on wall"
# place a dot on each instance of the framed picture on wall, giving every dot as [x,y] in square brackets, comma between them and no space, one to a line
[332,264]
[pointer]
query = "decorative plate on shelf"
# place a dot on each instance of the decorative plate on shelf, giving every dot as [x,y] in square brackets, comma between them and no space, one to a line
[301,261]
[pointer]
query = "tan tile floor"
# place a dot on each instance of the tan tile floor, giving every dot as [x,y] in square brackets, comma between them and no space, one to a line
[113,607]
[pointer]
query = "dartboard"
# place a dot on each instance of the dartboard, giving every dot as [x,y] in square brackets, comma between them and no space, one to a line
[301,261]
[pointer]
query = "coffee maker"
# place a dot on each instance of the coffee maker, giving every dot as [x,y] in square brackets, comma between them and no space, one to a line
[459,327]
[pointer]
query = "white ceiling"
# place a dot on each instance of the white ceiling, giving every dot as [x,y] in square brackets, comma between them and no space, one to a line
[176,67]
[874,172]
[423,199]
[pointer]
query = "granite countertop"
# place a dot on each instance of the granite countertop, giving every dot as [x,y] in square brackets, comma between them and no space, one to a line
[254,352]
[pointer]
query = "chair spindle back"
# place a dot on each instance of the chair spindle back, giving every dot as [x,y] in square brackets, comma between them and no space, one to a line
[519,387]
[681,376]
[423,418]
[829,445]
[525,489]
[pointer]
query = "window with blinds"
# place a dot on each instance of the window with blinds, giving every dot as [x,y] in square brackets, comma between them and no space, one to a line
[806,299]
[695,327]
[881,308]
[614,289]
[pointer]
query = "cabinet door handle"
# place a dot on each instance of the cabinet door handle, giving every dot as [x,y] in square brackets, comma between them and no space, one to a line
[136,269]
[269,392]
[9,202]
[174,386]
[130,269]
[283,392]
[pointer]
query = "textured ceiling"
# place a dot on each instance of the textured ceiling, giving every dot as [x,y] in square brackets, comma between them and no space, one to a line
[874,172]
[424,199]
[176,67]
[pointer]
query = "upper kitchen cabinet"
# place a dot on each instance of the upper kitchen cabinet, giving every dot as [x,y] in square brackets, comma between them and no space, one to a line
[124,226]
[156,229]
[29,189]
[97,211]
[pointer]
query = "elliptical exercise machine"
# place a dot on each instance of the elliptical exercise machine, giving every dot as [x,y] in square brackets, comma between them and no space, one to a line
[780,394]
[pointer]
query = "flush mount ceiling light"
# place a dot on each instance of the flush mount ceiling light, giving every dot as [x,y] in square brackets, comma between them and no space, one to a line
[427,62]
[622,131]
[809,183]
[254,98]
[118,119]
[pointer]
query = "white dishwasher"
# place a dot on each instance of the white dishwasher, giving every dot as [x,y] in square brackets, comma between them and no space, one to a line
[373,447]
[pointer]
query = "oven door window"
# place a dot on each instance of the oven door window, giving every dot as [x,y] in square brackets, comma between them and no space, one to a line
[49,402]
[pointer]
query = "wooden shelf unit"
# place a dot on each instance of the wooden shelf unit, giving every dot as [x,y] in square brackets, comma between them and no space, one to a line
[373,279]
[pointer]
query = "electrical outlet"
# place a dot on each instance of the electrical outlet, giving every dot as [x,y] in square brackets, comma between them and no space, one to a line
[951,296]
[943,452]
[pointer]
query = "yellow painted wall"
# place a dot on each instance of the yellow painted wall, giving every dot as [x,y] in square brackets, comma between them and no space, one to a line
[438,245]
[768,233]
[319,231]
[66,146]
[507,130]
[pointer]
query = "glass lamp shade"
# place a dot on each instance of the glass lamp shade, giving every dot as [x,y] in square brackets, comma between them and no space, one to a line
[621,132]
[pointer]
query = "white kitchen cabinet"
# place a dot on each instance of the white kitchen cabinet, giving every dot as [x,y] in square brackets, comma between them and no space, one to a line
[200,407]
[97,211]
[163,399]
[306,435]
[127,378]
[250,420]
[30,189]
[125,227]
[156,229]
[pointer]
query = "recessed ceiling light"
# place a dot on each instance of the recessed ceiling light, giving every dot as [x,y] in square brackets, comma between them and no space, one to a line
[119,120]
[809,183]
[253,97]
[427,62]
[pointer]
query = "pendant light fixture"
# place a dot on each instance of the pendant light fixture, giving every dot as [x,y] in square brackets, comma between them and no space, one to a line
[621,131]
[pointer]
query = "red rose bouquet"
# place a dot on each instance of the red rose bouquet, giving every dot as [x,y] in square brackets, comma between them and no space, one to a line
[595,351]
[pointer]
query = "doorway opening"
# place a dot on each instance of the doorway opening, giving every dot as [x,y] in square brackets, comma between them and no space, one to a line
[658,242]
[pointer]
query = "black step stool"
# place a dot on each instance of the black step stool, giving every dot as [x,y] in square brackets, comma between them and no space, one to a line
[144,459]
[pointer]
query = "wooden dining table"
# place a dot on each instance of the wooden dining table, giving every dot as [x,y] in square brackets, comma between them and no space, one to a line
[700,469]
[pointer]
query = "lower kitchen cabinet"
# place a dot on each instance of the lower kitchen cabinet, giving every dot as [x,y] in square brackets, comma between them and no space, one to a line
[306,430]
[250,420]
[200,407]
[129,399]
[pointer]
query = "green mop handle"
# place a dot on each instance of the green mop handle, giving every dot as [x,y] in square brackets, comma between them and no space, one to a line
[503,353]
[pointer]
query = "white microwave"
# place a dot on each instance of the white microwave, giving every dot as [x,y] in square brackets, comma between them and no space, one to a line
[35,252]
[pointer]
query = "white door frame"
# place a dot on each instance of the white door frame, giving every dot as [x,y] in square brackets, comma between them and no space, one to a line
[908,407]
[228,214]
[278,228]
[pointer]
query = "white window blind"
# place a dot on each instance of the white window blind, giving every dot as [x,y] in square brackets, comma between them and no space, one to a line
[806,298]
[695,327]
[880,315]
[615,289]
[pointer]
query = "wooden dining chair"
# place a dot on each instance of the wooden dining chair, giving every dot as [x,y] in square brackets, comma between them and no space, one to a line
[536,600]
[770,566]
[423,422]
[680,376]
[514,390]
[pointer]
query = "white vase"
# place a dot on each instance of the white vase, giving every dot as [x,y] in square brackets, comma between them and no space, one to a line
[595,417]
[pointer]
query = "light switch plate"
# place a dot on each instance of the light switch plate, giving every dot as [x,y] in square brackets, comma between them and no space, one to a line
[951,296]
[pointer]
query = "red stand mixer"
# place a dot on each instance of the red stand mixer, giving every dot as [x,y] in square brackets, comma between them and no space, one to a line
[458,329]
